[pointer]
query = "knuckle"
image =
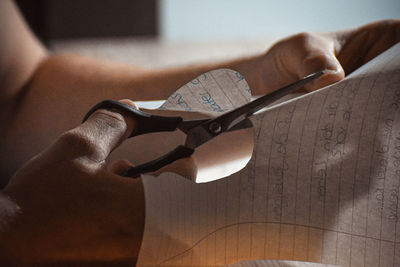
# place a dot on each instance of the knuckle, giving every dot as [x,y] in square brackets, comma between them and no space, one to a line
[302,38]
[76,142]
[297,40]
[302,42]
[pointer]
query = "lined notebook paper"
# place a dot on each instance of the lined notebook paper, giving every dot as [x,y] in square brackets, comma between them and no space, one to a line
[322,185]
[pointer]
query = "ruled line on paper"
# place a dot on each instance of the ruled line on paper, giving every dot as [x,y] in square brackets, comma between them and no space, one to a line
[308,193]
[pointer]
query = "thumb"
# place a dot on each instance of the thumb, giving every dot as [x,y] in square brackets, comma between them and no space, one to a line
[322,61]
[102,132]
[318,54]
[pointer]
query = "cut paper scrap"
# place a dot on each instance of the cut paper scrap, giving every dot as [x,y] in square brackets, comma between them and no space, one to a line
[322,186]
[213,93]
[208,94]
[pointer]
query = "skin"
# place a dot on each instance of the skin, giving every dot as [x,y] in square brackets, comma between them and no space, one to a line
[97,215]
[64,202]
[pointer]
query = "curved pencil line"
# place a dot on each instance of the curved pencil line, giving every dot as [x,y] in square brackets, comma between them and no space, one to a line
[266,222]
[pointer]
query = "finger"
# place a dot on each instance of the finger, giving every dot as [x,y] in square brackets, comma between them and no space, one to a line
[320,56]
[102,132]
[333,72]
[120,166]
[359,45]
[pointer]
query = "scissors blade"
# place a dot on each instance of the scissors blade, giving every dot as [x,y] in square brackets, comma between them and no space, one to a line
[209,129]
[185,126]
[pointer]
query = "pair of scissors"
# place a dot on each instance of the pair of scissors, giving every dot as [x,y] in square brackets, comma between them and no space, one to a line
[198,131]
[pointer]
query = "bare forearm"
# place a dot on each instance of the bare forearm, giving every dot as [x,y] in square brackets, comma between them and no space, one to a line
[64,87]
[120,80]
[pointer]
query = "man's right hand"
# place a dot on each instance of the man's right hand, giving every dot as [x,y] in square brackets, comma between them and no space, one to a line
[65,205]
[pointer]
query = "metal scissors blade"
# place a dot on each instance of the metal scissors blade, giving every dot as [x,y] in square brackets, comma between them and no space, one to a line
[209,129]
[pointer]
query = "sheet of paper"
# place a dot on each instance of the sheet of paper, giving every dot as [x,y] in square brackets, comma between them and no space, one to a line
[322,186]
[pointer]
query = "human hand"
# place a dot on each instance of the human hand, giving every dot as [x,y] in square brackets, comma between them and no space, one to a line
[339,53]
[70,206]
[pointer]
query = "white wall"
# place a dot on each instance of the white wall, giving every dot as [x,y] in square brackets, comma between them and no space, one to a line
[194,20]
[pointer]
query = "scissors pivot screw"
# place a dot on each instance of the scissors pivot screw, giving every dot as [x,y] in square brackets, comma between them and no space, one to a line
[215,127]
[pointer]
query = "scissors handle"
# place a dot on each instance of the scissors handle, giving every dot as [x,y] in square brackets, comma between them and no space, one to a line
[146,123]
[154,165]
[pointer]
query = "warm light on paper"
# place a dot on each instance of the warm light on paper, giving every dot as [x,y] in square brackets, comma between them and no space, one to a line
[223,156]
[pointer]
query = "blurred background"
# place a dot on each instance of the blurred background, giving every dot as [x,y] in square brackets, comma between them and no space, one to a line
[162,33]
